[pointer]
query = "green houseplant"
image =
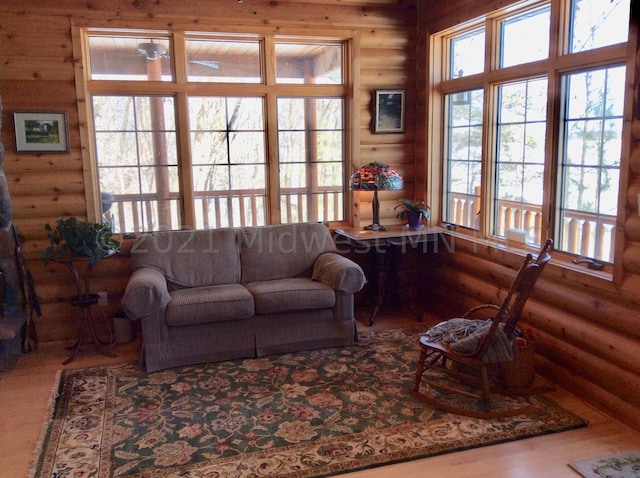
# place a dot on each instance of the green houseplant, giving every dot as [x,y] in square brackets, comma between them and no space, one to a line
[74,238]
[414,211]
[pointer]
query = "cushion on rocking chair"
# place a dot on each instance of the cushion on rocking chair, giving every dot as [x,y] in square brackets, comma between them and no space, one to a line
[464,335]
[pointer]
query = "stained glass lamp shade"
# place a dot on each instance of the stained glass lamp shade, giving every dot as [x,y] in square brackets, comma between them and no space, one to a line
[375,177]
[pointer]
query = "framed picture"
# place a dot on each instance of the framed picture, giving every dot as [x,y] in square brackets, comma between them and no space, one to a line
[388,111]
[41,131]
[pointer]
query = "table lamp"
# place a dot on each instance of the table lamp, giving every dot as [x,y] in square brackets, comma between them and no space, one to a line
[375,177]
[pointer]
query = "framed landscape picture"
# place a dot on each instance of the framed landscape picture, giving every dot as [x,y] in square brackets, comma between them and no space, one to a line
[388,111]
[41,131]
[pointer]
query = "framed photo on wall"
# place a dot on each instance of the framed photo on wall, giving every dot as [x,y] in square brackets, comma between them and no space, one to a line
[388,110]
[41,131]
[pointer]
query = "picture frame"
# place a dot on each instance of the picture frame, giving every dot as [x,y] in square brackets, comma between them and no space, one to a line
[389,110]
[41,131]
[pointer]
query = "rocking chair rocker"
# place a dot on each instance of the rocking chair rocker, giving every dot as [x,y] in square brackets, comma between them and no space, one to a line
[463,349]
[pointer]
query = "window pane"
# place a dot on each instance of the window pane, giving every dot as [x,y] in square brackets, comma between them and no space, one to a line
[292,146]
[598,23]
[129,58]
[217,61]
[467,54]
[590,162]
[463,157]
[229,161]
[293,176]
[520,158]
[309,63]
[330,174]
[311,155]
[331,147]
[209,147]
[525,38]
[136,154]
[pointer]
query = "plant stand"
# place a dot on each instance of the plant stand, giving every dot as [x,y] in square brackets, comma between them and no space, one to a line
[84,300]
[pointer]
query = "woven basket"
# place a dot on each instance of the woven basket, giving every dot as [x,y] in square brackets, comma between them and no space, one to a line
[521,372]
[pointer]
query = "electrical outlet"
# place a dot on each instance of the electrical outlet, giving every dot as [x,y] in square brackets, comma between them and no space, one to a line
[102,298]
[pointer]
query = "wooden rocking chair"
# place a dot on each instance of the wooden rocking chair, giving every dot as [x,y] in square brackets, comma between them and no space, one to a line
[487,342]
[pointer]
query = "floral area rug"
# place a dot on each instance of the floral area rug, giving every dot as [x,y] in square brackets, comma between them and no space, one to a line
[315,413]
[622,465]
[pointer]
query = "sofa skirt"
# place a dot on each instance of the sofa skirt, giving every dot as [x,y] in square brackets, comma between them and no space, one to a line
[188,345]
[304,330]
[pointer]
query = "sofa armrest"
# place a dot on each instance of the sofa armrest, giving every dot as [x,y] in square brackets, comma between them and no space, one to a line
[145,294]
[339,272]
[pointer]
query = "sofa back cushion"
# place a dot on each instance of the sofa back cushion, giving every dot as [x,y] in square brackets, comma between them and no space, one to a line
[283,251]
[190,258]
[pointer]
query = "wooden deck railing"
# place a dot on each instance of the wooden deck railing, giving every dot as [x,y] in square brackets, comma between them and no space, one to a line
[582,234]
[248,208]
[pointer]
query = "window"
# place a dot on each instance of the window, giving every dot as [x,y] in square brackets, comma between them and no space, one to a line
[228,161]
[464,157]
[532,135]
[467,54]
[520,146]
[136,151]
[525,37]
[194,130]
[591,161]
[311,145]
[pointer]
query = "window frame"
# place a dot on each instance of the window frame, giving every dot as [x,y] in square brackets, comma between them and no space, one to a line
[180,89]
[559,62]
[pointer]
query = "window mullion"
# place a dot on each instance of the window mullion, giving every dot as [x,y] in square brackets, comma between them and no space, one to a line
[185,170]
[552,151]
[273,179]
[489,142]
[185,173]
[271,117]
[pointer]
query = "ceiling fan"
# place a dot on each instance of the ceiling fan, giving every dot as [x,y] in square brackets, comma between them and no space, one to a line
[154,51]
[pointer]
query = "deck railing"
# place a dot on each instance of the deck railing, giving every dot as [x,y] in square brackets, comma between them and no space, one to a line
[583,234]
[247,208]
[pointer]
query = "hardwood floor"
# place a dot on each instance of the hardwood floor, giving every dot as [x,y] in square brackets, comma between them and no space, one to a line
[26,388]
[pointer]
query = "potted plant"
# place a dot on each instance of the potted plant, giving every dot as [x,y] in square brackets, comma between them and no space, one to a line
[414,211]
[73,238]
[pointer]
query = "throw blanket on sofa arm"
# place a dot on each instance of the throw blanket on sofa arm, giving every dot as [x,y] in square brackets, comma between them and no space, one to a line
[463,335]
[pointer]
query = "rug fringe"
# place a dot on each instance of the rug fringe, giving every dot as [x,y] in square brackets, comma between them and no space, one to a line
[51,406]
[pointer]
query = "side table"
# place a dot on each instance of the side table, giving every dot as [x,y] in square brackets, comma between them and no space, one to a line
[381,243]
[83,300]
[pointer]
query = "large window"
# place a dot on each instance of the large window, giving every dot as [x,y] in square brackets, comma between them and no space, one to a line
[532,127]
[193,130]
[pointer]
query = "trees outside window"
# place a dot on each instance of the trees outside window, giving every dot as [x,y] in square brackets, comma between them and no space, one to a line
[532,138]
[193,130]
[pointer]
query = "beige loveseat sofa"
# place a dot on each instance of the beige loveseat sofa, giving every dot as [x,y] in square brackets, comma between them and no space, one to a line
[220,294]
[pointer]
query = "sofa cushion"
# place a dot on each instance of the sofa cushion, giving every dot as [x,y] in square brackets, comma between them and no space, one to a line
[216,303]
[190,258]
[284,295]
[277,252]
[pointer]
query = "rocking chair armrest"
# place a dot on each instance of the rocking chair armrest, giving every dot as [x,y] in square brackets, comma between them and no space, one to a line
[473,310]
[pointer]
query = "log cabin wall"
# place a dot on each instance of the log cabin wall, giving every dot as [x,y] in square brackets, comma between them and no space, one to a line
[37,73]
[586,328]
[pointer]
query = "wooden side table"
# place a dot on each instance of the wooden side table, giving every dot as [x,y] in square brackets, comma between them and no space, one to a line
[80,268]
[381,243]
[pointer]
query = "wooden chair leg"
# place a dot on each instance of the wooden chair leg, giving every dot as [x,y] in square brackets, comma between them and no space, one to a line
[484,383]
[420,369]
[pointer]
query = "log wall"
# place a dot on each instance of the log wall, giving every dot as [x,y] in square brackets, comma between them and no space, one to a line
[587,328]
[37,73]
